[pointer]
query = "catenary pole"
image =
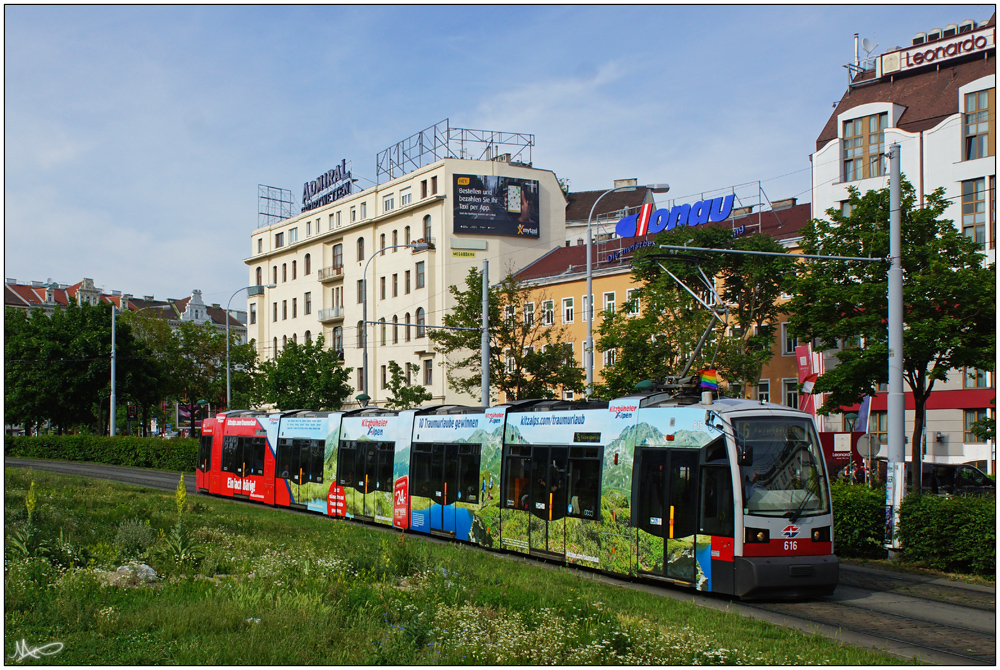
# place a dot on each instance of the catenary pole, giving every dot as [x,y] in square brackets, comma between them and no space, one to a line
[896,405]
[114,357]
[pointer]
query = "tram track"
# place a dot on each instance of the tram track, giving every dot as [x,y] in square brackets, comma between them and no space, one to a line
[911,616]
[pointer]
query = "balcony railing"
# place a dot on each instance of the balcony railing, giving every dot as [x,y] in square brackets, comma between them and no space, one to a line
[331,313]
[331,273]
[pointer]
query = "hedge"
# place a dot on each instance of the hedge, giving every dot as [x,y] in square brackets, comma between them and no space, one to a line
[858,520]
[952,534]
[140,452]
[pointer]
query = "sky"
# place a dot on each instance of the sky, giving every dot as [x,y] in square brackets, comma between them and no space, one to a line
[135,136]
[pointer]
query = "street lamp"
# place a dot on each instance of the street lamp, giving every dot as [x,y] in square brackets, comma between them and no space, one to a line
[416,246]
[255,289]
[589,347]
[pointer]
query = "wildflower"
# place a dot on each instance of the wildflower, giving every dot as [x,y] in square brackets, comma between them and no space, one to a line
[30,501]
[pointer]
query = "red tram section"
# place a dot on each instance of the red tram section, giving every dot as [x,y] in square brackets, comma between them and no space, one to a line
[242,464]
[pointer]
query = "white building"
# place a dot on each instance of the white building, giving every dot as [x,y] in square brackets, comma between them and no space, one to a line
[937,99]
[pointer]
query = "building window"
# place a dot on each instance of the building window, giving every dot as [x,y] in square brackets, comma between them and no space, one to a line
[434,185]
[308,336]
[406,235]
[361,248]
[294,269]
[864,147]
[406,281]
[293,235]
[284,310]
[395,241]
[428,372]
[309,228]
[275,317]
[972,416]
[364,211]
[508,316]
[567,305]
[788,341]
[295,338]
[395,329]
[406,327]
[420,274]
[974,210]
[275,273]
[632,302]
[253,314]
[423,188]
[382,330]
[764,390]
[338,255]
[338,219]
[295,308]
[307,303]
[790,392]
[338,296]
[529,314]
[381,243]
[361,334]
[609,302]
[260,245]
[846,208]
[395,284]
[609,358]
[389,203]
[405,197]
[284,272]
[383,377]
[976,379]
[338,338]
[274,348]
[361,291]
[420,322]
[381,281]
[427,229]
[279,240]
[977,125]
[549,313]
[260,276]
[354,214]
[361,378]
[586,312]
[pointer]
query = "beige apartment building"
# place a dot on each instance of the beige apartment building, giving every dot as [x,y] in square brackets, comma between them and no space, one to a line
[467,211]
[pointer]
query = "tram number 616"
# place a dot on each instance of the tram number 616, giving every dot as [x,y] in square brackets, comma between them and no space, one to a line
[791,545]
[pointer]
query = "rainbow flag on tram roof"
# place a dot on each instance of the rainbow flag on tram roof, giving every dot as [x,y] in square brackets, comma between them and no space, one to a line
[709,379]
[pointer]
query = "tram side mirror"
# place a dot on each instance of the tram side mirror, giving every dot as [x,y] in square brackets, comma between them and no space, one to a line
[744,455]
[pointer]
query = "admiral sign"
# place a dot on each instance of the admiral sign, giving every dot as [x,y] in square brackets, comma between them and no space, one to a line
[932,53]
[329,186]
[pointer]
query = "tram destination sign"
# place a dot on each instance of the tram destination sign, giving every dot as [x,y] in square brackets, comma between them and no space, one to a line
[494,205]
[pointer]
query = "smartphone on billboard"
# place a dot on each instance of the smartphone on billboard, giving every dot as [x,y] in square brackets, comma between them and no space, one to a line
[513,198]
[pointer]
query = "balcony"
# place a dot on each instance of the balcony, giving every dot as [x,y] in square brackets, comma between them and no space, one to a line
[332,273]
[331,314]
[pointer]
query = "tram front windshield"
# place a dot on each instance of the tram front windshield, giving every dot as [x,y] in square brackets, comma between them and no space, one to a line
[786,477]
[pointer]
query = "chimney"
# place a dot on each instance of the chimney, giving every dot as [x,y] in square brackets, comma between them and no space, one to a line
[779,205]
[626,182]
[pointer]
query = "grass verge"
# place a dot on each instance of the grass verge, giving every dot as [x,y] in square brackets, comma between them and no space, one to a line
[244,585]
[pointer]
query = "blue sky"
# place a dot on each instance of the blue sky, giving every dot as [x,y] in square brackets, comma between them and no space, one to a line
[135,137]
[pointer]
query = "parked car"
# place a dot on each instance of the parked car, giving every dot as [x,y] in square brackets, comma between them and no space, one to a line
[948,479]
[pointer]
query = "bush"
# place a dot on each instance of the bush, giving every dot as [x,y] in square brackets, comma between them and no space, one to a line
[952,534]
[858,520]
[142,452]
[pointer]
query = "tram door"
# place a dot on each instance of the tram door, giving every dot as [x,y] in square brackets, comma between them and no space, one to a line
[242,457]
[364,469]
[447,474]
[547,504]
[667,509]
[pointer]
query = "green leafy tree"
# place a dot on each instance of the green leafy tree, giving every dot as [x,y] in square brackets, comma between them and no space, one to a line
[304,376]
[405,395]
[659,342]
[527,358]
[949,300]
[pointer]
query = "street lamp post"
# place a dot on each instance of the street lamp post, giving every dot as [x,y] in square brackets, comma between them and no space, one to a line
[416,246]
[257,289]
[589,347]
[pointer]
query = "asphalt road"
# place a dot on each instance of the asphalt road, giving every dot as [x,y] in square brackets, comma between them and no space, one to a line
[928,619]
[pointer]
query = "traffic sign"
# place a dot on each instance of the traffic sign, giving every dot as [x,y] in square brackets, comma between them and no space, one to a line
[869,445]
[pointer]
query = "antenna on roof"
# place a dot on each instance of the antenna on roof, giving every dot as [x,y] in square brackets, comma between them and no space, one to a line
[868,46]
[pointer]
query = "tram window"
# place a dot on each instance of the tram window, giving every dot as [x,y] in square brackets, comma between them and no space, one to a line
[652,466]
[316,453]
[516,482]
[253,452]
[288,458]
[682,500]
[383,476]
[715,451]
[345,463]
[717,504]
[453,492]
[584,482]
[468,473]
[364,472]
[420,471]
[229,446]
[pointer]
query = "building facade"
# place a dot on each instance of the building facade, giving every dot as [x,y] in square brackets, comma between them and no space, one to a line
[466,211]
[936,98]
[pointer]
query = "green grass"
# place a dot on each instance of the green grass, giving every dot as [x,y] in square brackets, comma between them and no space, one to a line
[268,587]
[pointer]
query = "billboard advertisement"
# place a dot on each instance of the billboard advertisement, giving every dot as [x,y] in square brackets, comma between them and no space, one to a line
[491,205]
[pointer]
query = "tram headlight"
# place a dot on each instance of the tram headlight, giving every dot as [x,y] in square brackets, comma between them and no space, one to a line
[821,534]
[756,536]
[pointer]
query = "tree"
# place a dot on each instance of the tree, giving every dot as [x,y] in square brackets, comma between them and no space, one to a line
[659,342]
[304,376]
[405,396]
[527,357]
[949,300]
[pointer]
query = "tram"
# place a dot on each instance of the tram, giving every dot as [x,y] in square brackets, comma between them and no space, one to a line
[720,495]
